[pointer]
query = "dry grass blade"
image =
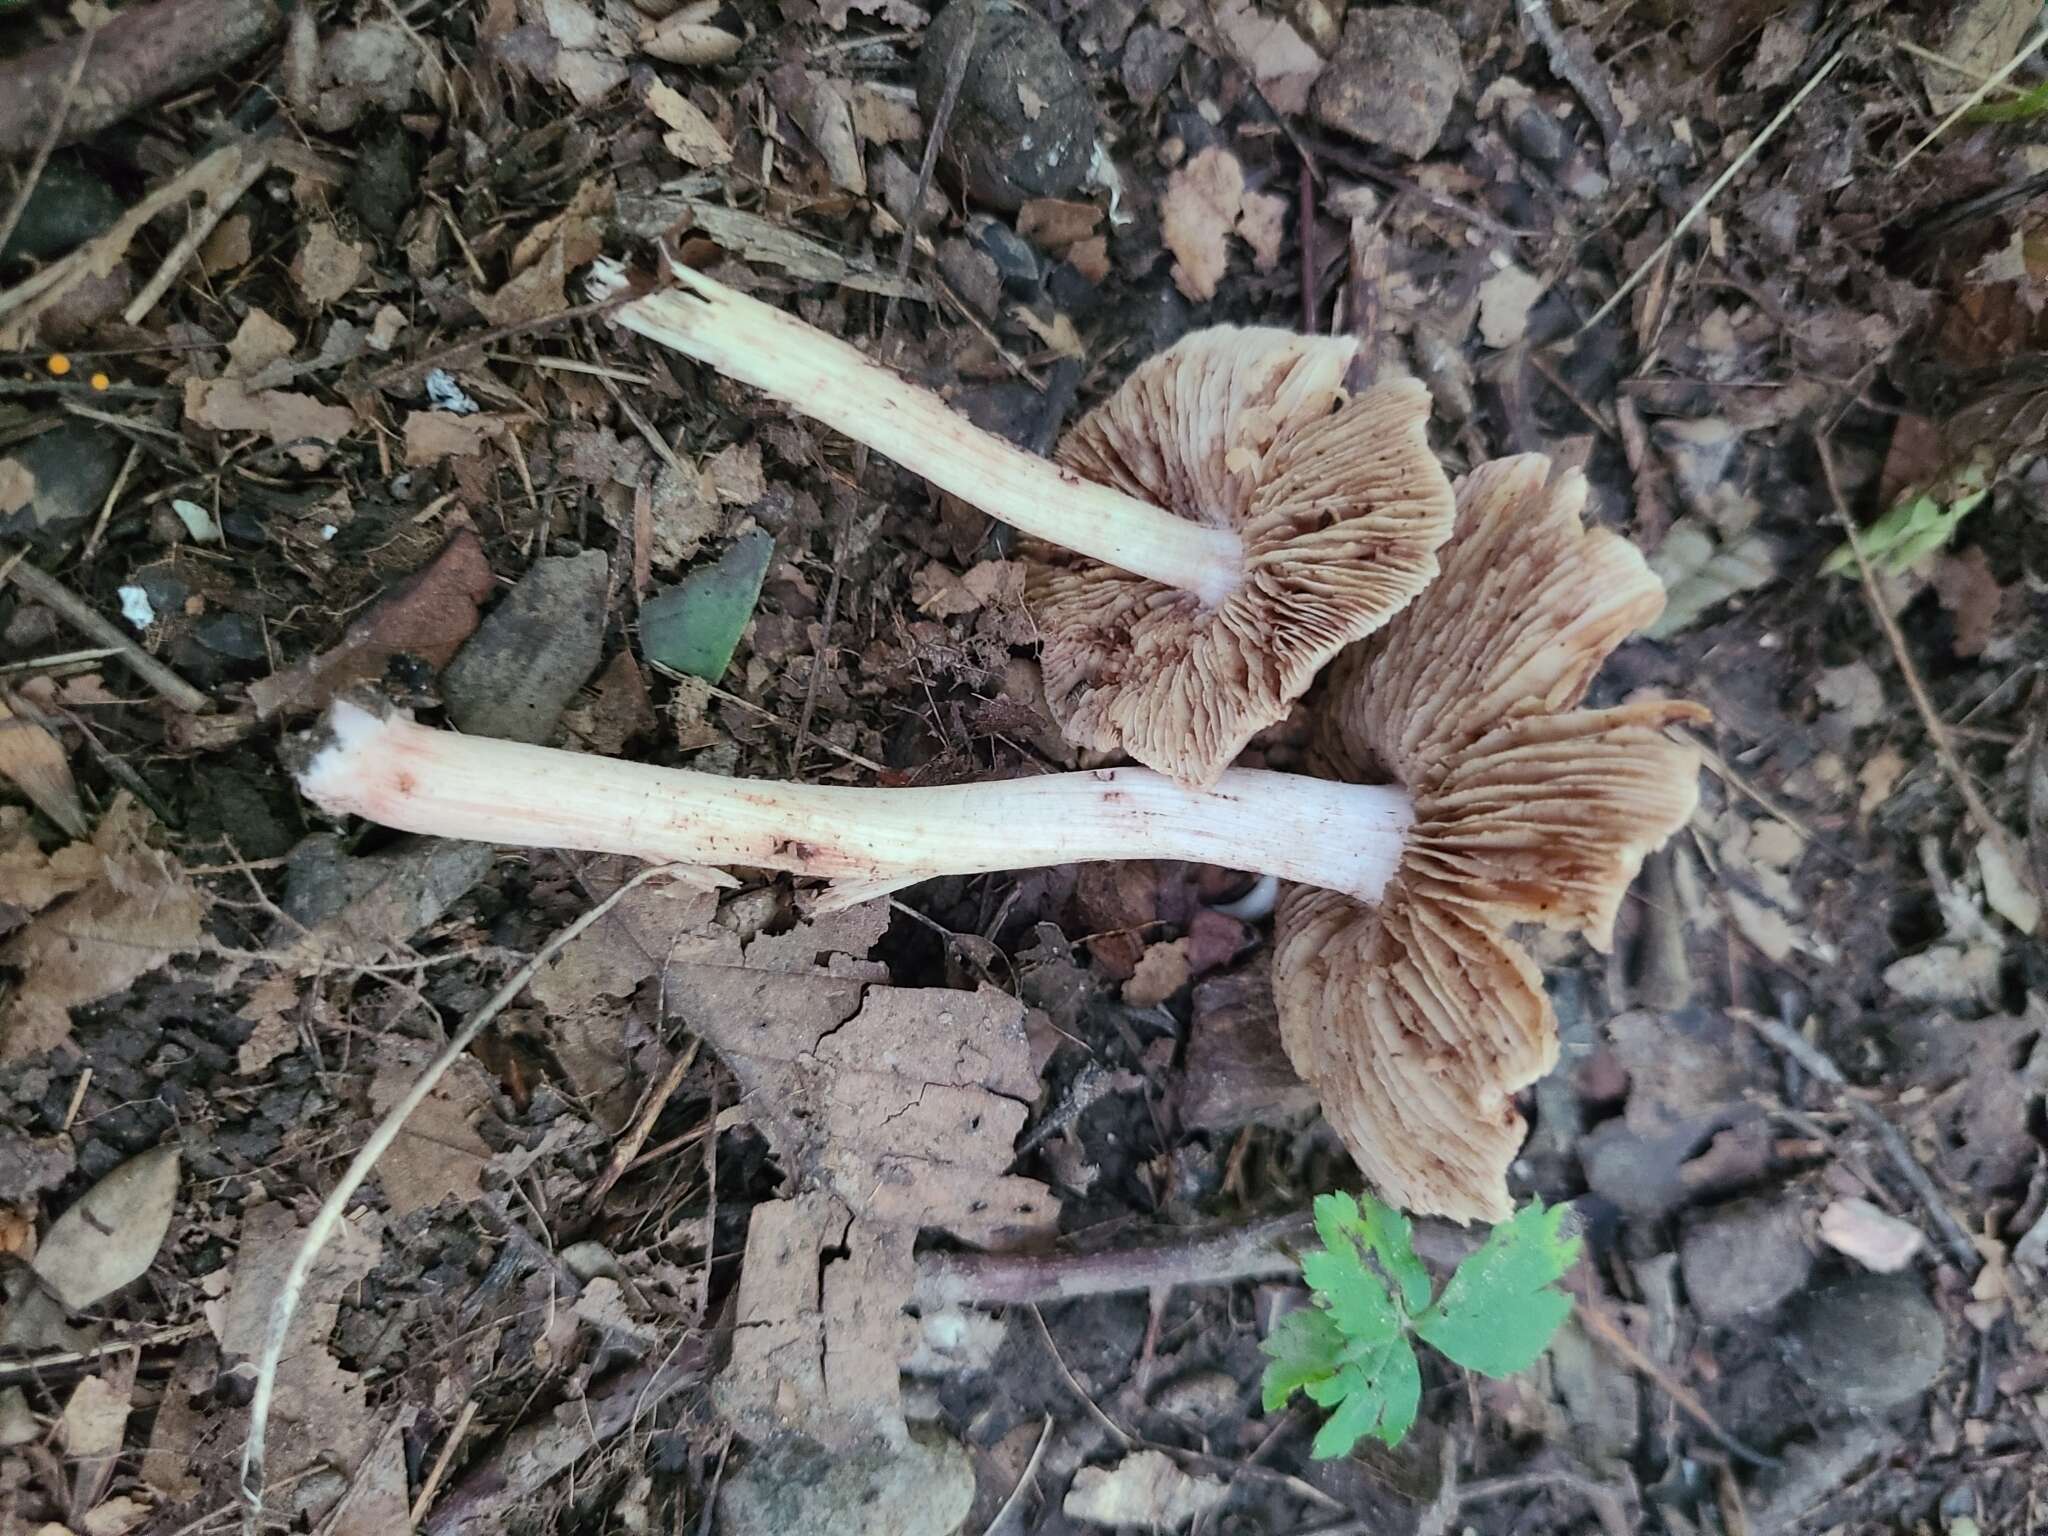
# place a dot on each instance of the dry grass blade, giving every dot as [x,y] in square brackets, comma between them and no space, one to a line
[1984,88]
[325,1221]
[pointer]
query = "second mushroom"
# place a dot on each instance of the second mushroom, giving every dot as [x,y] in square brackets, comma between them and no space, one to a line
[1209,537]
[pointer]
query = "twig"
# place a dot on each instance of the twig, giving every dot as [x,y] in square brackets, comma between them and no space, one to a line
[1989,826]
[50,140]
[439,1472]
[994,1527]
[1984,88]
[34,1367]
[52,593]
[1820,1065]
[1607,1505]
[324,1222]
[1215,1256]
[1122,1436]
[1603,1327]
[99,525]
[1735,168]
[636,1136]
[1539,26]
[197,228]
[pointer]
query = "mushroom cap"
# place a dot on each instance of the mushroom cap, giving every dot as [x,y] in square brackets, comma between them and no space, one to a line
[1419,1017]
[1338,501]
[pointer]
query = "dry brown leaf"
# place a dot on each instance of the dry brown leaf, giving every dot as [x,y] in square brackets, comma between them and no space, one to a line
[286,418]
[1878,777]
[1058,333]
[17,486]
[431,436]
[578,228]
[110,1235]
[257,343]
[692,137]
[886,114]
[95,1420]
[1202,202]
[318,1416]
[439,1153]
[823,108]
[1146,1489]
[1967,589]
[534,294]
[1279,58]
[1262,226]
[31,879]
[137,911]
[1090,257]
[327,266]
[229,246]
[1057,224]
[938,591]
[35,762]
[736,474]
[1162,971]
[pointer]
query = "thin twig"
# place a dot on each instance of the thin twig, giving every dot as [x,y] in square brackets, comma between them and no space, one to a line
[51,139]
[35,1367]
[1822,1066]
[439,1472]
[1608,1331]
[1984,88]
[636,1135]
[994,1527]
[1989,827]
[1123,1436]
[99,525]
[1735,168]
[52,593]
[201,224]
[328,1218]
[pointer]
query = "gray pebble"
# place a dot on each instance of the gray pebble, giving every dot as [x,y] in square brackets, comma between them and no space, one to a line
[1867,1341]
[516,674]
[1743,1258]
[1393,81]
[1024,124]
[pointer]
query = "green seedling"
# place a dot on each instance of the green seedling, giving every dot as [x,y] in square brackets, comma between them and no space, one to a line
[1352,1348]
[1917,525]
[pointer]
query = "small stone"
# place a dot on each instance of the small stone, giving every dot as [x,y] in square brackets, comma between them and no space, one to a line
[518,672]
[31,1164]
[1151,57]
[1869,1342]
[1743,1258]
[1203,1396]
[1537,133]
[1394,80]
[1024,125]
[67,208]
[72,467]
[1016,262]
[972,273]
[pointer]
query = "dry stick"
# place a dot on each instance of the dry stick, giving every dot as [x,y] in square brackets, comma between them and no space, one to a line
[1604,1328]
[956,75]
[1589,86]
[1989,826]
[1984,88]
[1735,168]
[1023,1479]
[201,224]
[636,1137]
[1820,1065]
[324,1222]
[49,144]
[52,593]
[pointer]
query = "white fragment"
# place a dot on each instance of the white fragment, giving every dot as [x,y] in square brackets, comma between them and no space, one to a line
[198,522]
[328,531]
[135,607]
[448,395]
[1144,1489]
[606,279]
[1103,173]
[1255,904]
[2008,894]
[1874,1238]
[1505,300]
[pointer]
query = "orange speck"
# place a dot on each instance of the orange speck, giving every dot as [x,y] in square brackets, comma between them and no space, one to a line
[101,381]
[59,364]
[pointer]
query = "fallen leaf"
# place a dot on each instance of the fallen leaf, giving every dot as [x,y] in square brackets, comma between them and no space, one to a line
[1699,572]
[229,247]
[116,1517]
[137,911]
[1145,1488]
[823,109]
[327,266]
[534,294]
[1878,777]
[17,486]
[287,419]
[1505,300]
[1262,225]
[1055,224]
[36,763]
[1058,334]
[1090,258]
[95,1422]
[886,114]
[431,436]
[736,474]
[687,36]
[257,343]
[1200,208]
[2005,890]
[1283,63]
[1947,973]
[438,1154]
[1874,1238]
[31,879]
[1967,589]
[692,137]
[112,1232]
[1855,692]
[1981,38]
[429,615]
[618,710]
[938,591]
[1162,971]
[275,1035]
[318,1415]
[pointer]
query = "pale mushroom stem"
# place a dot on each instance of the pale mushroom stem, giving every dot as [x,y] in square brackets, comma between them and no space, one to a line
[834,383]
[391,770]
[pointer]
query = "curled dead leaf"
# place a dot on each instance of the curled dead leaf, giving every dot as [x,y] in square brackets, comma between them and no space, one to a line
[109,1237]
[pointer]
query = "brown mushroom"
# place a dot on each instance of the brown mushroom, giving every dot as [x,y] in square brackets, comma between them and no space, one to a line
[1234,518]
[1417,1017]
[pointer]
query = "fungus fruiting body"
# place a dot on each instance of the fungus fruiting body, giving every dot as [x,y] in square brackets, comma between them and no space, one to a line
[1417,1016]
[1209,537]
[377,763]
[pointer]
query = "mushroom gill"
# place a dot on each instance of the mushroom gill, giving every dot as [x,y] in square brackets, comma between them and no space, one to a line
[1418,1017]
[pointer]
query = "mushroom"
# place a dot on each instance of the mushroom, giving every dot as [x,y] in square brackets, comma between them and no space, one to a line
[1418,1016]
[371,759]
[1226,522]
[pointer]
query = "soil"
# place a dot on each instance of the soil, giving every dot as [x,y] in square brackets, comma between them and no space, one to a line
[373,430]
